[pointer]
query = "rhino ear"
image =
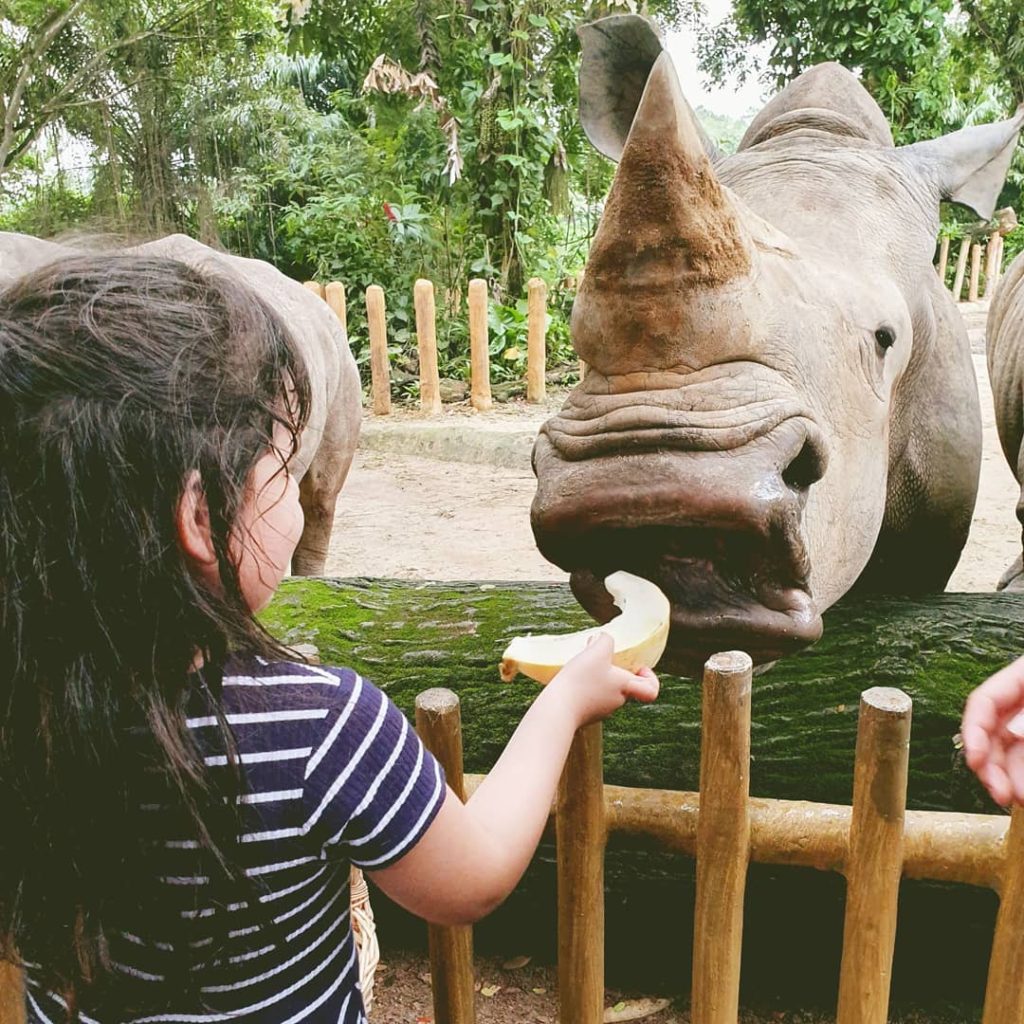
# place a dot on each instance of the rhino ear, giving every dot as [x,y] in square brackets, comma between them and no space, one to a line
[618,54]
[969,166]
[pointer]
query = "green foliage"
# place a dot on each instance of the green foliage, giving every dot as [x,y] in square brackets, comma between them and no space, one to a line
[724,131]
[931,65]
[259,125]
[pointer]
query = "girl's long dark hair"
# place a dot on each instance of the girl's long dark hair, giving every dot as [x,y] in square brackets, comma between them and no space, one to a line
[120,379]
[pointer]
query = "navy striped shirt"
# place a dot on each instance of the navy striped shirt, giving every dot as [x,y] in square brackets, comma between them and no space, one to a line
[334,775]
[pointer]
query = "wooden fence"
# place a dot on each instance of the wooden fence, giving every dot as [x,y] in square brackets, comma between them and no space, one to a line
[426,336]
[988,253]
[874,843]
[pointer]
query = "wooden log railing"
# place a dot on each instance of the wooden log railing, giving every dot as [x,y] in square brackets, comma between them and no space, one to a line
[874,844]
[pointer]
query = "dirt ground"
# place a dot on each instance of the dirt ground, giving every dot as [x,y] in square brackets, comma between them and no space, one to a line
[408,516]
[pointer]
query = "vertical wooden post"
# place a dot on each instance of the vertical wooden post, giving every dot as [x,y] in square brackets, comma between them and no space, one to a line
[580,835]
[479,351]
[1004,996]
[536,351]
[723,838]
[991,252]
[943,259]
[972,290]
[997,267]
[426,338]
[314,287]
[334,296]
[961,268]
[380,369]
[12,995]
[875,860]
[439,725]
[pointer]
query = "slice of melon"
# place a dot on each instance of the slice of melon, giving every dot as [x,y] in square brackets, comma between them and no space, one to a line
[640,634]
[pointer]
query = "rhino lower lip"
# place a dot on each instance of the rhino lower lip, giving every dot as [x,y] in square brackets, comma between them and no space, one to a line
[759,603]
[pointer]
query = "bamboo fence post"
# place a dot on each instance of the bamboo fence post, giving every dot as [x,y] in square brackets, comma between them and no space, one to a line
[961,268]
[426,338]
[314,287]
[479,352]
[380,369]
[439,724]
[943,258]
[1004,995]
[972,290]
[536,354]
[875,860]
[12,995]
[723,838]
[334,296]
[580,837]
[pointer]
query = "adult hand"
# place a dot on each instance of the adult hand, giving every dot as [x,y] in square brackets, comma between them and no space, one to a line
[993,733]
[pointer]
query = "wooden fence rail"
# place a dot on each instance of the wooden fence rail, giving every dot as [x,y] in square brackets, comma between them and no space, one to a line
[874,844]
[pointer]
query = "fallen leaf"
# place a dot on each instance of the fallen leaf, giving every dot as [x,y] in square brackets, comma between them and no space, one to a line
[538,991]
[634,1009]
[490,990]
[516,962]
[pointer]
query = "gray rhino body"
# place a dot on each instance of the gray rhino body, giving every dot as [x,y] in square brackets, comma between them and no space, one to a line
[329,441]
[780,401]
[1005,353]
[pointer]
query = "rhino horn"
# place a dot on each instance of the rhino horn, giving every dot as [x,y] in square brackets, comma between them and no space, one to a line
[667,221]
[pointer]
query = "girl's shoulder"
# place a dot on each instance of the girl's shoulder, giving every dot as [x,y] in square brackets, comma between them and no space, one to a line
[254,682]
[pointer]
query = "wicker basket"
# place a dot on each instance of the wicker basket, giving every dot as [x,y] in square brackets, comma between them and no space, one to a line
[365,932]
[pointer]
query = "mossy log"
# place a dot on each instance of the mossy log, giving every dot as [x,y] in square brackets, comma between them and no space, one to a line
[408,637]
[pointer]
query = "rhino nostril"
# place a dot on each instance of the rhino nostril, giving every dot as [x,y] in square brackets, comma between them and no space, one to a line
[805,469]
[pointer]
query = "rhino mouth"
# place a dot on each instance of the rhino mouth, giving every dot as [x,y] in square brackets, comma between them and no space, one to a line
[728,588]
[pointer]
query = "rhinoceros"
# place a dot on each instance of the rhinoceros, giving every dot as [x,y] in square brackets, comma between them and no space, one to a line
[1004,334]
[779,400]
[329,441]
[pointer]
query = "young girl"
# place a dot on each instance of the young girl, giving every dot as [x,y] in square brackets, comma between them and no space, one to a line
[179,802]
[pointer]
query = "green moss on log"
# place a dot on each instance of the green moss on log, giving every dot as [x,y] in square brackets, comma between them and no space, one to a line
[407,637]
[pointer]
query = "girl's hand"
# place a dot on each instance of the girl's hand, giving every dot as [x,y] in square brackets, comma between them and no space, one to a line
[471,856]
[993,733]
[593,687]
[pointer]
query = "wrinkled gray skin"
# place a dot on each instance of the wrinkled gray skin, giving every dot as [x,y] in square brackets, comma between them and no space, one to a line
[780,400]
[329,440]
[1005,347]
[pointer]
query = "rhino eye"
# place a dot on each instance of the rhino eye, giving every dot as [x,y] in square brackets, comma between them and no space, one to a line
[886,337]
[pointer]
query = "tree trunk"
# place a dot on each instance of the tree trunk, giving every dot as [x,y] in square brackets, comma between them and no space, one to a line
[408,637]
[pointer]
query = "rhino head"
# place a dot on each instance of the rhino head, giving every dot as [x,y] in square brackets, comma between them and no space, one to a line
[780,399]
